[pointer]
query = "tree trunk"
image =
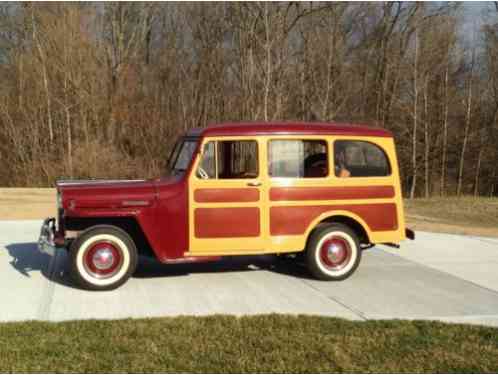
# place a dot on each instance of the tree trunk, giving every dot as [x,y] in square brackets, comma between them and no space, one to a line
[268,63]
[66,102]
[445,130]
[493,183]
[478,169]
[44,77]
[466,132]
[415,122]
[426,138]
[69,142]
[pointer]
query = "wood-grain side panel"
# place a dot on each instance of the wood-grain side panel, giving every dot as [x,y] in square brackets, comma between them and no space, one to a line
[330,193]
[211,195]
[226,222]
[295,220]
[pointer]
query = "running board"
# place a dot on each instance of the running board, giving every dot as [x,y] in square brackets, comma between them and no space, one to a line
[397,246]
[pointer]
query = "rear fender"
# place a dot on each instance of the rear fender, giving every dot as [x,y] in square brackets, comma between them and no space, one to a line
[329,216]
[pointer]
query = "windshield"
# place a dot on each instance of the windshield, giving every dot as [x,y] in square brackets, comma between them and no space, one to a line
[181,155]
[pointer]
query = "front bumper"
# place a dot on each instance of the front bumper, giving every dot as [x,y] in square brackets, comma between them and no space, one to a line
[46,241]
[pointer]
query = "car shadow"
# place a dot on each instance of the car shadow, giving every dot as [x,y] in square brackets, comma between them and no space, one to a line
[151,268]
[26,259]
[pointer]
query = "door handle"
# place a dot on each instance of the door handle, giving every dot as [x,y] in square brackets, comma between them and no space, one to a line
[254,183]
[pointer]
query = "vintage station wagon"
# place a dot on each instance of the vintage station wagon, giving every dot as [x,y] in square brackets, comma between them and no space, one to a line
[319,192]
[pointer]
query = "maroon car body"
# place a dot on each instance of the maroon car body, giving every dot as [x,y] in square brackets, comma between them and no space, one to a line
[157,209]
[127,218]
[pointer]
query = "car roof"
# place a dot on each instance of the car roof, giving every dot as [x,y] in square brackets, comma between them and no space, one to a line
[287,128]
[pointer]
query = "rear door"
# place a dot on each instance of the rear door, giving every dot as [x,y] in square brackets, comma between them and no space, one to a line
[225,198]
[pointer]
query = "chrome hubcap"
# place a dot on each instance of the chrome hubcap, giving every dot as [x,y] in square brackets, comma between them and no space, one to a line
[103,258]
[335,253]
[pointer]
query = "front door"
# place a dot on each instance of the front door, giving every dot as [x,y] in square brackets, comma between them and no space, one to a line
[225,198]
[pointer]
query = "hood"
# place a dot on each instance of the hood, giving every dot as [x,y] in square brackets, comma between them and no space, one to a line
[87,194]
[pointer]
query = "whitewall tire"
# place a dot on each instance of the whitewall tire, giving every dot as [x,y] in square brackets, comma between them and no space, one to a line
[333,252]
[102,258]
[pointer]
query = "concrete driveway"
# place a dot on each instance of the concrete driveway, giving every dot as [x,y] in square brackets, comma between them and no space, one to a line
[445,277]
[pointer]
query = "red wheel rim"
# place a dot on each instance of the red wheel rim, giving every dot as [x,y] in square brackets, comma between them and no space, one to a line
[103,259]
[335,252]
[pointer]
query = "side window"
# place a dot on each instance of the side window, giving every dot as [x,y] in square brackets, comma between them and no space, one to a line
[207,166]
[297,158]
[229,160]
[360,159]
[237,159]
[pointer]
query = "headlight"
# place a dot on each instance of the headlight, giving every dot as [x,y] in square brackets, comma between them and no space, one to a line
[59,200]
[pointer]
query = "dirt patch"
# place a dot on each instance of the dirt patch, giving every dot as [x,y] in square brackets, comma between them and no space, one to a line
[467,211]
[27,203]
[465,215]
[432,225]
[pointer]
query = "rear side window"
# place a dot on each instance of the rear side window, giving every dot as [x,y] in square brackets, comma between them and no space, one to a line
[360,159]
[298,158]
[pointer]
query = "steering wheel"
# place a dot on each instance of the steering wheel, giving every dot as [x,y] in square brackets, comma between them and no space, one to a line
[202,173]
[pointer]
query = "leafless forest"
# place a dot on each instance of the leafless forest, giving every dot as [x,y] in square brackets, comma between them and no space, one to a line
[103,90]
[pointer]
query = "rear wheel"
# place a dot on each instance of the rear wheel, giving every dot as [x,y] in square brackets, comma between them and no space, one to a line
[333,252]
[102,258]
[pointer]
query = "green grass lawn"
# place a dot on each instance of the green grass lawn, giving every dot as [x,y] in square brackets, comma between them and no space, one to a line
[271,343]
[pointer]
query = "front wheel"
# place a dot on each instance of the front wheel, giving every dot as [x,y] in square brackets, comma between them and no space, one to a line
[333,252]
[102,258]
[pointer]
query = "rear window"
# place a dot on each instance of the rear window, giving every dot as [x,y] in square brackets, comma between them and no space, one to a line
[360,159]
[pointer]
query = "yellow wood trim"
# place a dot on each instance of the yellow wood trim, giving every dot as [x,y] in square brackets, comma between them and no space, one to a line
[275,244]
[331,202]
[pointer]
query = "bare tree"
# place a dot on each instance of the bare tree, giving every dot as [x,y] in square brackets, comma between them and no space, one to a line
[470,82]
[91,90]
[415,117]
